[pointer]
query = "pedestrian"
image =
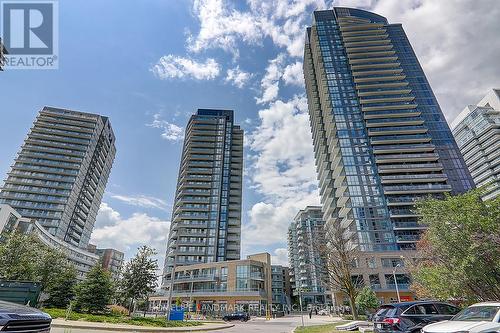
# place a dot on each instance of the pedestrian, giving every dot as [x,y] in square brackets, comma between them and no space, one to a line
[310,313]
[316,311]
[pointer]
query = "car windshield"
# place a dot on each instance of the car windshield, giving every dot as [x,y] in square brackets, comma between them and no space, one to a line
[477,313]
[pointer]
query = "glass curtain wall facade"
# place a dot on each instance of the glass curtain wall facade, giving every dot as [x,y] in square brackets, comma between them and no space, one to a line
[206,221]
[61,171]
[477,131]
[380,138]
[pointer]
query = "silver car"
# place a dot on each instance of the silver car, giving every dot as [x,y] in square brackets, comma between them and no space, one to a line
[477,318]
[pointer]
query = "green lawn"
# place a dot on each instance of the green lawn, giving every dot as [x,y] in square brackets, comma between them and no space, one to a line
[328,328]
[115,319]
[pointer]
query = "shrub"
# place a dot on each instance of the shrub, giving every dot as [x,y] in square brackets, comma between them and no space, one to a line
[118,310]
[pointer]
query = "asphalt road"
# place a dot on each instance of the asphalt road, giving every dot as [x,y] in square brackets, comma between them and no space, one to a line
[279,325]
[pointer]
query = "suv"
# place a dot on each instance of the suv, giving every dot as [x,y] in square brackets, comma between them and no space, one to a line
[241,316]
[477,318]
[410,317]
[20,318]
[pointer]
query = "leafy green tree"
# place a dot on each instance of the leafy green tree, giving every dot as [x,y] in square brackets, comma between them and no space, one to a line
[25,257]
[62,289]
[95,292]
[460,251]
[18,258]
[367,300]
[139,277]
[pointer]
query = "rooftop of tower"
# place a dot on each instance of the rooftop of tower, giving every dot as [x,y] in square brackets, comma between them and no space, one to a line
[348,12]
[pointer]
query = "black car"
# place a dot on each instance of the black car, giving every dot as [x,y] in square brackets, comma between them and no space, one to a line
[410,317]
[20,318]
[241,316]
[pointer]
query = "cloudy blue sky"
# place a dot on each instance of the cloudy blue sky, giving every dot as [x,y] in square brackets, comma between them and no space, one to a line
[149,64]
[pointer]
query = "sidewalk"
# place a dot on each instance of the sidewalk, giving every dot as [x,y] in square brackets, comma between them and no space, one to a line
[85,325]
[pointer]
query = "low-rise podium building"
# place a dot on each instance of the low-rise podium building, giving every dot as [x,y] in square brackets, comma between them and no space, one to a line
[219,287]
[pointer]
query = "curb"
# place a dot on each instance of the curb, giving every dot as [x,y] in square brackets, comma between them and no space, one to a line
[144,329]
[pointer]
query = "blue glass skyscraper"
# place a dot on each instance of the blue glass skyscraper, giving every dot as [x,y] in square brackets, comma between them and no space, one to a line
[380,139]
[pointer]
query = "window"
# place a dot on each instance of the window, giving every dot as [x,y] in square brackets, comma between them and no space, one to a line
[447,309]
[423,309]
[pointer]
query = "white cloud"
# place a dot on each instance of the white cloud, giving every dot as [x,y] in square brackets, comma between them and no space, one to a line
[126,234]
[293,74]
[270,81]
[237,77]
[171,66]
[280,257]
[141,200]
[171,132]
[456,43]
[223,26]
[281,169]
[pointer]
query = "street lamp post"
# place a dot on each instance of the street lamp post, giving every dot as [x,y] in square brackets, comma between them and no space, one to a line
[191,291]
[300,303]
[396,281]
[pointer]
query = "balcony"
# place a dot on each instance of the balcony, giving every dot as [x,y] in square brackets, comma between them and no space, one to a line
[385,85]
[396,122]
[408,226]
[220,292]
[407,238]
[384,149]
[372,60]
[387,106]
[366,49]
[361,27]
[364,38]
[420,178]
[429,188]
[392,139]
[398,158]
[396,168]
[401,286]
[195,278]
[379,78]
[375,66]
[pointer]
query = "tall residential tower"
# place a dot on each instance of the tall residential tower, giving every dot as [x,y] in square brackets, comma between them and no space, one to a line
[477,131]
[206,219]
[61,171]
[306,266]
[380,138]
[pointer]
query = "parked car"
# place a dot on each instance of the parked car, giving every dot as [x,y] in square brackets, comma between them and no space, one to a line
[477,318]
[410,317]
[241,316]
[20,318]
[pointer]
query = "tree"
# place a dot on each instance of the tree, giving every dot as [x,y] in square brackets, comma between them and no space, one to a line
[62,290]
[459,254]
[95,292]
[17,257]
[367,300]
[339,255]
[139,277]
[25,257]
